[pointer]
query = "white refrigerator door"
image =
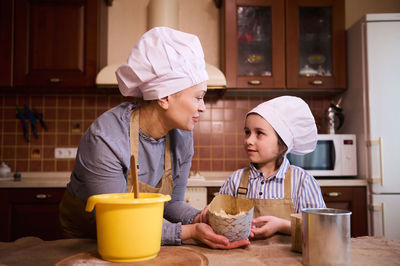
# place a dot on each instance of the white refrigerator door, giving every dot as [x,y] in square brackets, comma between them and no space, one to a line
[385,215]
[383,61]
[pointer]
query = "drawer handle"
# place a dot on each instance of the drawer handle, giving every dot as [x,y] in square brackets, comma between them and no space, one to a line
[42,196]
[317,82]
[55,80]
[333,194]
[254,82]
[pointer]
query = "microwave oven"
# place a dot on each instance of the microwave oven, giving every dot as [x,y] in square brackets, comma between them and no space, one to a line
[334,155]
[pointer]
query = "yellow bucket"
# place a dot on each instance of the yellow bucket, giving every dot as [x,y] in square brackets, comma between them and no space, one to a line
[128,229]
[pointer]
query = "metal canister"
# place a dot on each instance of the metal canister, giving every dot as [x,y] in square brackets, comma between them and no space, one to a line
[326,236]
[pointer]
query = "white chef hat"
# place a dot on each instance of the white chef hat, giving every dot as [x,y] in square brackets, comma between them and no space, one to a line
[164,61]
[293,121]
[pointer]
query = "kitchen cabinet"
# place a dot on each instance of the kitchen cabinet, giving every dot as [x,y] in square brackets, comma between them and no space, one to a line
[196,197]
[349,198]
[58,43]
[292,44]
[5,43]
[30,212]
[353,199]
[211,192]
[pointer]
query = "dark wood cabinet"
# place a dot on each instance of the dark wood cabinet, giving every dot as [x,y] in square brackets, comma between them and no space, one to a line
[292,44]
[254,51]
[211,192]
[315,28]
[58,43]
[30,212]
[5,43]
[353,199]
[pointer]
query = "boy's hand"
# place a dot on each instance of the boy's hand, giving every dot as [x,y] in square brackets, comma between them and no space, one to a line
[265,226]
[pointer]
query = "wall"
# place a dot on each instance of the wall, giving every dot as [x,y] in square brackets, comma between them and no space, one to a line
[355,9]
[217,137]
[128,21]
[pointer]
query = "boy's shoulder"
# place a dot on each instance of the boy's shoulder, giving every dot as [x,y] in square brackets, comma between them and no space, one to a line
[298,171]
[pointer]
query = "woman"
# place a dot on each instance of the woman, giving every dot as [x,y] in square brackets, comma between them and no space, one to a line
[166,68]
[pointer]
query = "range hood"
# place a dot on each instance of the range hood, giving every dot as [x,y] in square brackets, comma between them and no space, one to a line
[160,13]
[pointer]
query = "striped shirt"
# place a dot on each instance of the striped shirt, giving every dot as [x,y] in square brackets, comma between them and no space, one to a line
[306,192]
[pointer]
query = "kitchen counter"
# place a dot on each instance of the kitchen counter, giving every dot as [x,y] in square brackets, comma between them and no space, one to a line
[202,179]
[272,251]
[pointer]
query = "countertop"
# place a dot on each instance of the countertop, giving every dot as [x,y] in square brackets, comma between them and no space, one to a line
[201,179]
[272,251]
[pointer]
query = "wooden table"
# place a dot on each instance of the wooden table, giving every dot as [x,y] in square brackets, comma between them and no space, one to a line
[273,251]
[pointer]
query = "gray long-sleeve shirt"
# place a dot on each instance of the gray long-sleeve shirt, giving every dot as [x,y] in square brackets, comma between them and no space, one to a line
[103,161]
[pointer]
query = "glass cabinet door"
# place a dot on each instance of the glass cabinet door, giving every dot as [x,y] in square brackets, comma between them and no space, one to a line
[254,41]
[315,44]
[254,38]
[315,41]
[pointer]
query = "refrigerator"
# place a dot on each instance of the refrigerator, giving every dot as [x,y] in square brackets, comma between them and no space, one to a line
[371,106]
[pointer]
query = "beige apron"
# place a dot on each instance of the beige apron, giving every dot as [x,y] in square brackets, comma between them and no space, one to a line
[281,208]
[165,186]
[77,223]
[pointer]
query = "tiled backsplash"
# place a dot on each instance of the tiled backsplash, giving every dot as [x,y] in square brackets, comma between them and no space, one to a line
[217,137]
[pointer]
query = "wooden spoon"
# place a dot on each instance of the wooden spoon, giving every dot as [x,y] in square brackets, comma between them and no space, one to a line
[134,177]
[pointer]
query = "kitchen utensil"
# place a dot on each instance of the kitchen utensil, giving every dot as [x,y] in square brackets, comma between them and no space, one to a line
[39,116]
[326,236]
[21,116]
[32,119]
[335,117]
[128,229]
[233,226]
[5,170]
[134,176]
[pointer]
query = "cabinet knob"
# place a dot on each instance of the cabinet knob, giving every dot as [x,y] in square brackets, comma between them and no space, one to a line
[55,80]
[333,194]
[317,82]
[254,82]
[42,196]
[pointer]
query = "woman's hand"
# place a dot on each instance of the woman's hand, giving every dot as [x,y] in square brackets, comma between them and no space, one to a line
[265,226]
[202,217]
[204,233]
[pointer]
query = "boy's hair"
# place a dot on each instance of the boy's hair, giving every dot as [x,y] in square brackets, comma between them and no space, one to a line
[282,151]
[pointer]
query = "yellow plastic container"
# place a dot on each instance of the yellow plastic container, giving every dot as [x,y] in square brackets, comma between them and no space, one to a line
[128,229]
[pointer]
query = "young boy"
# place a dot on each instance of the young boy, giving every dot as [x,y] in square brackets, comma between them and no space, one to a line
[273,129]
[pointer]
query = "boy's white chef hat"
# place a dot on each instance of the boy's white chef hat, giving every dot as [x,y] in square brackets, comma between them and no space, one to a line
[293,121]
[164,61]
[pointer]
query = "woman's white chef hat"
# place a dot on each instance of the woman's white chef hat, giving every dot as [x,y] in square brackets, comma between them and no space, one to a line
[293,121]
[164,61]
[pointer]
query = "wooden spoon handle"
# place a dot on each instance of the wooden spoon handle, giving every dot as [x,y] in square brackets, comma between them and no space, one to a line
[134,177]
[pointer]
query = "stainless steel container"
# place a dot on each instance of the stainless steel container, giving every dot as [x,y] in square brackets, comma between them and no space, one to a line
[326,236]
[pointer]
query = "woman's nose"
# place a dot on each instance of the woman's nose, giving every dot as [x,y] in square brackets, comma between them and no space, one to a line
[202,106]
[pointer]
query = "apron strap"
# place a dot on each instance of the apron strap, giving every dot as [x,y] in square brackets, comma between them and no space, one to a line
[167,154]
[288,184]
[134,145]
[134,137]
[242,189]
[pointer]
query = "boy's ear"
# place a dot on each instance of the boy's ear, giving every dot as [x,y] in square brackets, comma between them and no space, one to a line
[164,102]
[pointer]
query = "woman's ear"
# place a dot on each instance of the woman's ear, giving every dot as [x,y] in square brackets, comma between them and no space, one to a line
[164,102]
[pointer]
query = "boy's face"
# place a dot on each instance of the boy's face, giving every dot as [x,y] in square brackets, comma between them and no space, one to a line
[260,142]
